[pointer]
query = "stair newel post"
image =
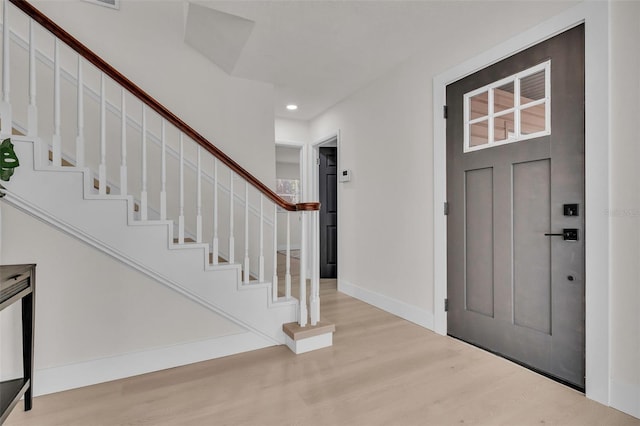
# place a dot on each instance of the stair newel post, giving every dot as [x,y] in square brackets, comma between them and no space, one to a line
[143,193]
[215,244]
[5,107]
[123,145]
[56,142]
[287,276]
[102,168]
[199,198]
[302,319]
[32,109]
[231,238]
[245,263]
[261,258]
[314,297]
[274,281]
[181,216]
[80,104]
[163,171]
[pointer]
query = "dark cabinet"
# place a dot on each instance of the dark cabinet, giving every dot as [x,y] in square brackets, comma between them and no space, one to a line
[17,284]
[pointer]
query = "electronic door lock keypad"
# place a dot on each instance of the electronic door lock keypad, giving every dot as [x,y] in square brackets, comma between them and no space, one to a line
[571,210]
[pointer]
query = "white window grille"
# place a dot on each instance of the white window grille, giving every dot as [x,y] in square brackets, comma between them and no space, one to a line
[509,110]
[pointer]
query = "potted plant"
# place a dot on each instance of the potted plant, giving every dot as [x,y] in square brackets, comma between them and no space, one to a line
[8,162]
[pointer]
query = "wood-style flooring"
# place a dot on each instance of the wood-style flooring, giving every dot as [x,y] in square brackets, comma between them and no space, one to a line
[381,370]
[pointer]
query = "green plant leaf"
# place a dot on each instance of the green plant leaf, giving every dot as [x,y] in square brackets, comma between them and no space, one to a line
[8,160]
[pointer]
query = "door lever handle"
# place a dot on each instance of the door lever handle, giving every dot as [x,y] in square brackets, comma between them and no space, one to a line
[568,234]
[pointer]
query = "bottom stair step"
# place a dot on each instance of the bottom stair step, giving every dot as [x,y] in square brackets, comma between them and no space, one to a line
[309,338]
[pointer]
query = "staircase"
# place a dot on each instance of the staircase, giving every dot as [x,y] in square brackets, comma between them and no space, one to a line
[210,234]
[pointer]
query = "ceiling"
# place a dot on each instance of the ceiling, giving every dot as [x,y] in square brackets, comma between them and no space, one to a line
[317,53]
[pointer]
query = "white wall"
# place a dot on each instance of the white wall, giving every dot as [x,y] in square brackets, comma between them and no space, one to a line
[624,210]
[295,132]
[144,41]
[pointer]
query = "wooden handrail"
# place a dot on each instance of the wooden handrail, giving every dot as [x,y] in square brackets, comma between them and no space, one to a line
[123,81]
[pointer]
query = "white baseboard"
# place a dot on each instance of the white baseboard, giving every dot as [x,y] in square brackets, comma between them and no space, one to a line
[403,310]
[57,379]
[625,397]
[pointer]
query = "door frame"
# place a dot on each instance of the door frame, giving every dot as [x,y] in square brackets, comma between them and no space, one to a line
[595,15]
[314,189]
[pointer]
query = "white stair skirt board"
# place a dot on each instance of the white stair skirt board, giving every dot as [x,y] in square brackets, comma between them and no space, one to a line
[309,338]
[403,310]
[61,196]
[58,379]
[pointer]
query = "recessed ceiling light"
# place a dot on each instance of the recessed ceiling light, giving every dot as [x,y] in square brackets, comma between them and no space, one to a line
[292,107]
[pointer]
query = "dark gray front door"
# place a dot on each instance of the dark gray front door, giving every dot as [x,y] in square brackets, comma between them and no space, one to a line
[328,212]
[512,289]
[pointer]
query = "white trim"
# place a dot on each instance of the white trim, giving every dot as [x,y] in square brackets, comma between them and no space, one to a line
[115,5]
[596,16]
[403,310]
[58,379]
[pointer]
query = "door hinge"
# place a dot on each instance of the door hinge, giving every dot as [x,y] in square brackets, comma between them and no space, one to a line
[317,161]
[446,208]
[446,305]
[445,111]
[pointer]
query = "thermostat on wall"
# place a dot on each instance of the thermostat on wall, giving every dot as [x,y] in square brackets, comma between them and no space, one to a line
[345,175]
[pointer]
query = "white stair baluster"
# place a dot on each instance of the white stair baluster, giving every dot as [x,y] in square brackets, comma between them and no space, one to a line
[123,145]
[314,299]
[102,168]
[163,173]
[181,216]
[199,199]
[287,276]
[215,244]
[80,112]
[56,142]
[247,273]
[143,193]
[274,283]
[32,110]
[261,258]
[231,238]
[302,319]
[5,107]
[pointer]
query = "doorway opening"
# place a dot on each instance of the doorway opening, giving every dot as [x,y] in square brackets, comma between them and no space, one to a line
[289,186]
[326,189]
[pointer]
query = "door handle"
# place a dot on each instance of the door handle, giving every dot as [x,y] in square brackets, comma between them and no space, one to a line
[568,234]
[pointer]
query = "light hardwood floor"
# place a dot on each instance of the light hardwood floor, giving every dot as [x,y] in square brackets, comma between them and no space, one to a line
[382,370]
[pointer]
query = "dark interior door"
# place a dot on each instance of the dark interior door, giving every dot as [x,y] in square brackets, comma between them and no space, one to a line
[328,178]
[516,208]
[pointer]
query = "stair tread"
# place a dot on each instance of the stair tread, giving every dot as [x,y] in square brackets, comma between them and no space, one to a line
[294,331]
